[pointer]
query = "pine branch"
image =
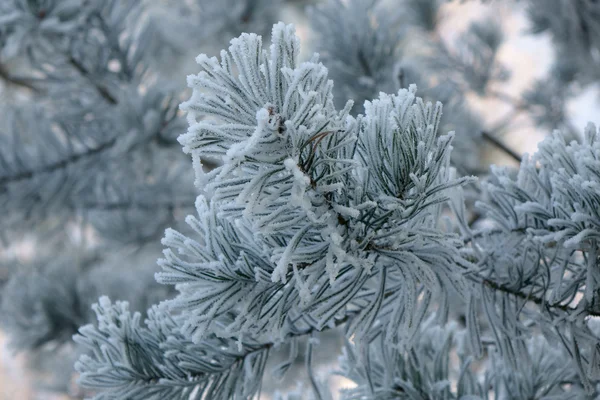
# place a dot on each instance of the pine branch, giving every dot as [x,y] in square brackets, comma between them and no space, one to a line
[212,367]
[113,40]
[308,332]
[136,204]
[53,167]
[102,91]
[541,302]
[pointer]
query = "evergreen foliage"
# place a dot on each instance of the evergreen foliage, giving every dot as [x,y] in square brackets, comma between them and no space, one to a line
[328,197]
[316,218]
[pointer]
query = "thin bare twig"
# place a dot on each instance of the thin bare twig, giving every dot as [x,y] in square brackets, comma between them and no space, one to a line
[486,135]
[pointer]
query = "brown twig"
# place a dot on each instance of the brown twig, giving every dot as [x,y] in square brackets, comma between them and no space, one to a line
[486,135]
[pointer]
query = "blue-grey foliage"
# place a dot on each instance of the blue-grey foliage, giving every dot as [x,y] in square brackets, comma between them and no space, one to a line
[575,30]
[46,301]
[97,115]
[574,27]
[308,213]
[89,162]
[359,42]
[314,218]
[473,62]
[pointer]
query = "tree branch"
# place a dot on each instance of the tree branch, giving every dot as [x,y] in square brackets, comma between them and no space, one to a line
[528,297]
[57,165]
[104,93]
[486,135]
[128,205]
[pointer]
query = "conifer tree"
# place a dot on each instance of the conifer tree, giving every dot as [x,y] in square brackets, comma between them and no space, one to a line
[326,196]
[317,219]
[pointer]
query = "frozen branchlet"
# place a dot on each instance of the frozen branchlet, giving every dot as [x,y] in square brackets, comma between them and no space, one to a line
[314,218]
[156,362]
[545,247]
[429,371]
[555,192]
[299,179]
